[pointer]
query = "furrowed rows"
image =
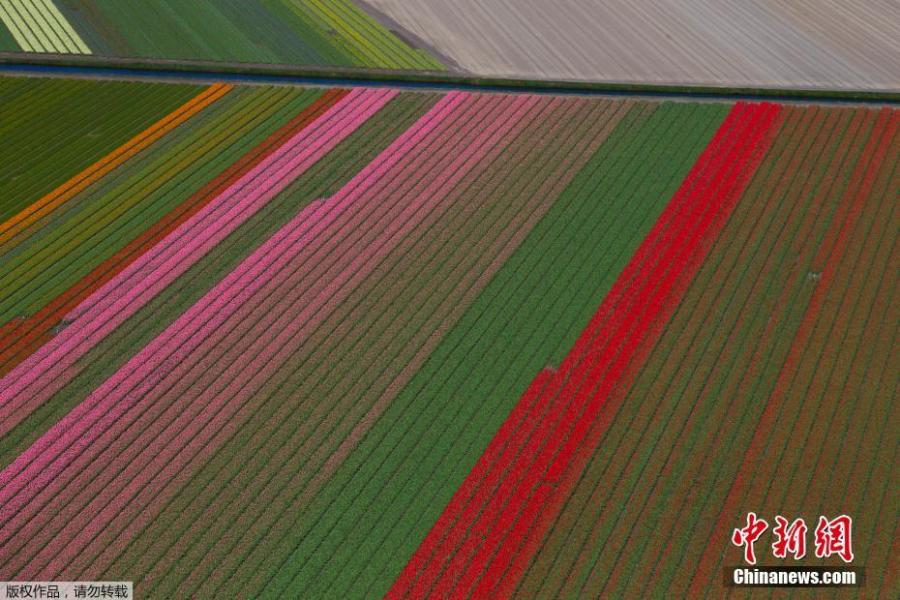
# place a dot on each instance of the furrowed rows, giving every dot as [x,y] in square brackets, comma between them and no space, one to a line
[257,340]
[27,336]
[314,32]
[488,565]
[661,123]
[91,120]
[104,310]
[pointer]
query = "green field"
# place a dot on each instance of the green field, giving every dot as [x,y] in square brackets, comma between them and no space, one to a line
[258,340]
[332,33]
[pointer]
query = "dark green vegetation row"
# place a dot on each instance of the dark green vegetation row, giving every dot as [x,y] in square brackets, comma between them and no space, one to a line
[644,511]
[294,32]
[52,129]
[482,208]
[368,520]
[110,213]
[778,368]
[95,224]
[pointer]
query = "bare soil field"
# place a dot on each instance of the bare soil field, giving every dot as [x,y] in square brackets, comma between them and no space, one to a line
[803,43]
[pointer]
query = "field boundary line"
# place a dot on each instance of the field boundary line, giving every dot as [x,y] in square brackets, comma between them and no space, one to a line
[93,67]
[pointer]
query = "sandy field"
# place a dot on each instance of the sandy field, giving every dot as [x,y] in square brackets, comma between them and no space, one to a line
[802,43]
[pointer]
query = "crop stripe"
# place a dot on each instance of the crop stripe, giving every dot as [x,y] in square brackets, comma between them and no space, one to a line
[854,197]
[39,376]
[65,192]
[71,39]
[538,475]
[39,26]
[21,338]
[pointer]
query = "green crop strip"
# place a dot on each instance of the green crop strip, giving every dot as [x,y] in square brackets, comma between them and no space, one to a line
[291,102]
[328,33]
[89,121]
[96,225]
[7,41]
[68,156]
[826,191]
[433,432]
[365,39]
[268,531]
[96,366]
[548,163]
[323,180]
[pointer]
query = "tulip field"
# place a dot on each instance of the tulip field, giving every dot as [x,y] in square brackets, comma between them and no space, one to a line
[301,32]
[276,341]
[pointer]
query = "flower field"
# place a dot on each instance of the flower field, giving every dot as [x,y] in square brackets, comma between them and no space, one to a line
[303,32]
[277,341]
